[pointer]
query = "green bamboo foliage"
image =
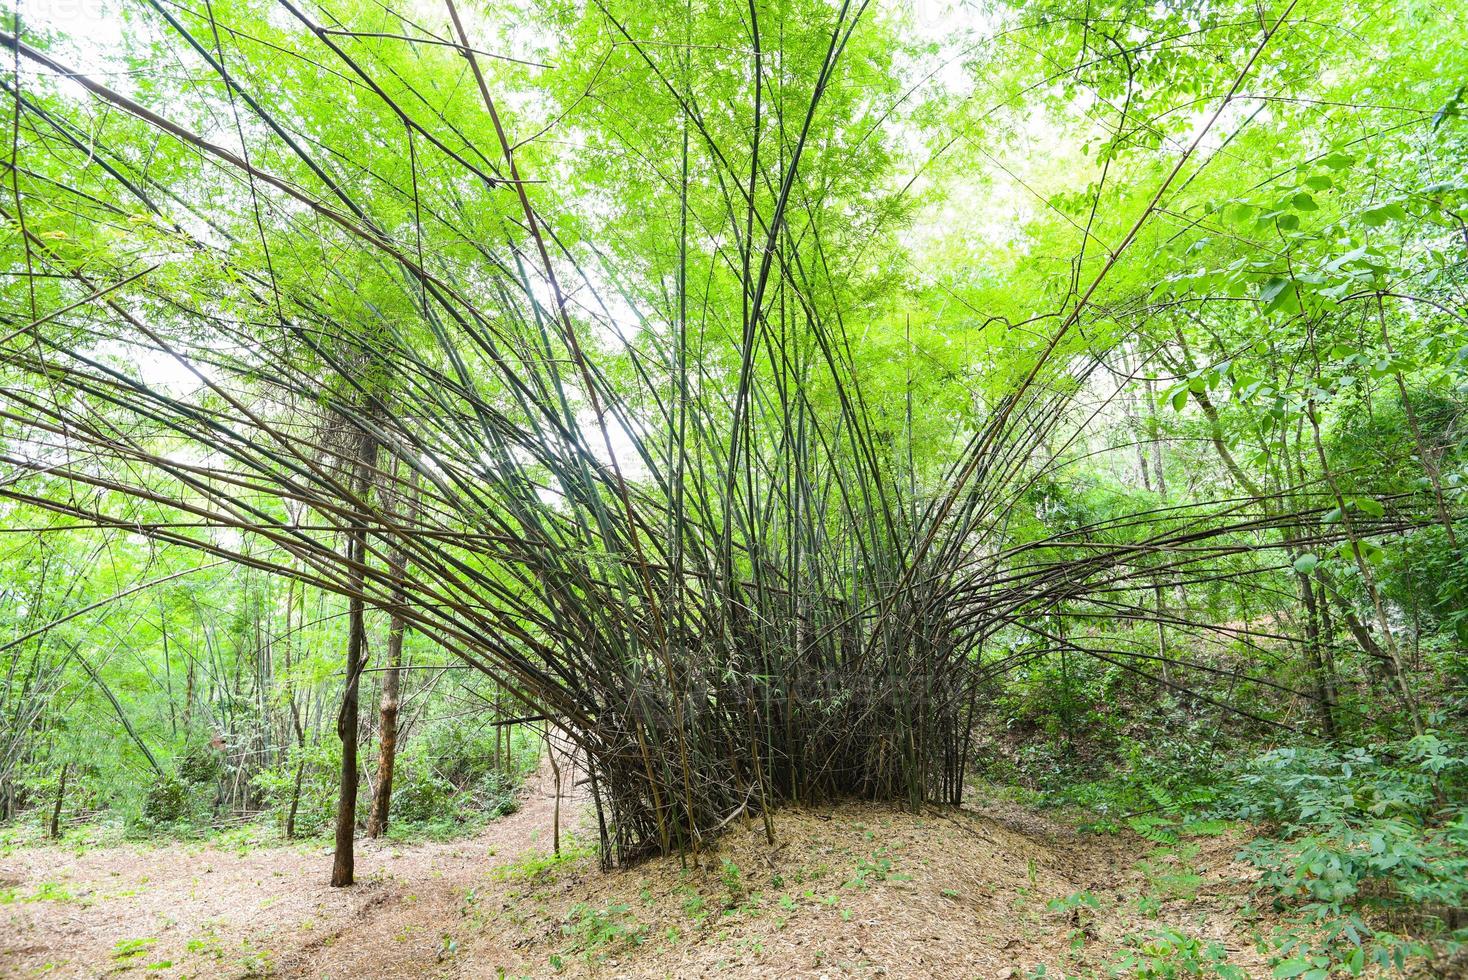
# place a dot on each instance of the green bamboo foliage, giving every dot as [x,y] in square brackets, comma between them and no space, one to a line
[652,495]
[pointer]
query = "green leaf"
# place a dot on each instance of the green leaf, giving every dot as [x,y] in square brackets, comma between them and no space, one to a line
[1280,294]
[1305,564]
[1450,109]
[1380,215]
[1304,202]
[1367,506]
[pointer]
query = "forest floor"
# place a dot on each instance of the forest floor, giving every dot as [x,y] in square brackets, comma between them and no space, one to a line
[854,890]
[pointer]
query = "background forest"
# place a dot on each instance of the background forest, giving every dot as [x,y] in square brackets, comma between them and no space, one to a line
[769,403]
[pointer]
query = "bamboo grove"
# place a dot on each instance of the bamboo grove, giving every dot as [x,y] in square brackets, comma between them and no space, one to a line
[583,388]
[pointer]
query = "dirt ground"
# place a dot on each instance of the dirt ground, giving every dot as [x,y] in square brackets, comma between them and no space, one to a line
[855,890]
[197,911]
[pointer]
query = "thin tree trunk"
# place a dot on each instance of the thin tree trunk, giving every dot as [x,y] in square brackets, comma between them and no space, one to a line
[1428,455]
[1322,662]
[391,681]
[346,804]
[1141,441]
[188,705]
[1320,666]
[290,818]
[1386,651]
[60,798]
[550,752]
[1154,438]
[1318,630]
[117,706]
[388,711]
[392,678]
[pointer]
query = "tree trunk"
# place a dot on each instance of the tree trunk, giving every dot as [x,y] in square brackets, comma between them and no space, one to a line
[346,804]
[1387,651]
[392,680]
[60,798]
[388,722]
[550,752]
[1321,668]
[1430,457]
[290,818]
[188,705]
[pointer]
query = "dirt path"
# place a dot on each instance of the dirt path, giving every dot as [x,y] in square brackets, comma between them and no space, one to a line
[199,911]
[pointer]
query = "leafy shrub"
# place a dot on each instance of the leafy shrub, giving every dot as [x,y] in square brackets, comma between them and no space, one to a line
[496,794]
[319,765]
[201,764]
[421,795]
[448,774]
[168,801]
[1158,778]
[1167,953]
[1365,842]
[597,933]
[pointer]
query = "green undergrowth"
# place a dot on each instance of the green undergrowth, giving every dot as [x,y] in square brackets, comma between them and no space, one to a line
[457,820]
[543,866]
[1361,852]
